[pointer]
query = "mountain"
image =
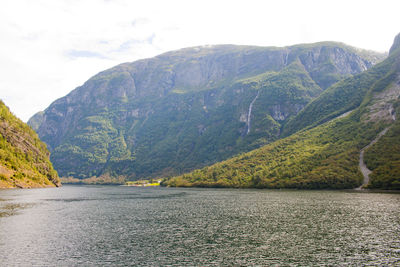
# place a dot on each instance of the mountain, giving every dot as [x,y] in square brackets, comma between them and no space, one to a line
[24,159]
[347,137]
[189,108]
[344,96]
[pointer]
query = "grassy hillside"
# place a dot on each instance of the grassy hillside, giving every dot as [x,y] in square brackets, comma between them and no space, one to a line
[344,96]
[323,157]
[384,160]
[188,130]
[326,156]
[24,159]
[187,109]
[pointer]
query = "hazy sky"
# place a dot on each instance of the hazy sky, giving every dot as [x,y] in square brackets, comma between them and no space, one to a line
[49,47]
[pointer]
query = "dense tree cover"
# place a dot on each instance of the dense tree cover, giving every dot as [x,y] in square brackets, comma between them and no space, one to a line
[185,131]
[323,157]
[326,156]
[383,159]
[187,109]
[344,96]
[24,159]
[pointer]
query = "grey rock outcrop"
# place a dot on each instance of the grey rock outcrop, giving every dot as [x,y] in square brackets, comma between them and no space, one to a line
[143,118]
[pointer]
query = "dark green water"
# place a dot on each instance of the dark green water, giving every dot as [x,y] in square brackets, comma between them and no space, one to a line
[110,225]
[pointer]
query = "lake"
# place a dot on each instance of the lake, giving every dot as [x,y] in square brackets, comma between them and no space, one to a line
[115,225]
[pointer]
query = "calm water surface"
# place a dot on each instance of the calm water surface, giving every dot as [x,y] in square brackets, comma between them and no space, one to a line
[111,225]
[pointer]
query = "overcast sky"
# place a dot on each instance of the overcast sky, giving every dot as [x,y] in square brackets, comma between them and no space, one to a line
[49,47]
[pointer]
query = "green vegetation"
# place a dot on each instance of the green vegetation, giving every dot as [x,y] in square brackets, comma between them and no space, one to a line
[343,96]
[187,109]
[327,155]
[144,183]
[323,157]
[383,159]
[105,179]
[24,159]
[181,134]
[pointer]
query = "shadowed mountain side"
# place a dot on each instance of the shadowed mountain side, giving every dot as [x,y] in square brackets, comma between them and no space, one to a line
[326,156]
[189,108]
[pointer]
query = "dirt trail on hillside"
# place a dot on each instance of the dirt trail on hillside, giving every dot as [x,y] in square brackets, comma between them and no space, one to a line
[364,170]
[363,167]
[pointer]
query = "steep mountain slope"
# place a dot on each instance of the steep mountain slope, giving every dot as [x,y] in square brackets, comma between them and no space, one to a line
[326,156]
[383,158]
[344,96]
[24,159]
[188,108]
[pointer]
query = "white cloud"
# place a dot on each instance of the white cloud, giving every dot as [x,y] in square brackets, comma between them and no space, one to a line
[49,47]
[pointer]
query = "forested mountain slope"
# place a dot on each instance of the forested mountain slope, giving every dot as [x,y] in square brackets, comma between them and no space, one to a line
[188,108]
[24,159]
[326,156]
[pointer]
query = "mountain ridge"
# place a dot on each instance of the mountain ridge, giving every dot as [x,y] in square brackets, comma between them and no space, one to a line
[326,154]
[174,113]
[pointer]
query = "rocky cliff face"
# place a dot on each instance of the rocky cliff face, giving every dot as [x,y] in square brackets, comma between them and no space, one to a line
[351,127]
[24,159]
[188,108]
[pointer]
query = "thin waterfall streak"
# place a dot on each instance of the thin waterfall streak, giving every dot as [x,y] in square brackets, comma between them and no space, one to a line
[249,113]
[286,60]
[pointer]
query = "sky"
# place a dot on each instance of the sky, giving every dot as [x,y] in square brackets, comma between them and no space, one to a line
[50,47]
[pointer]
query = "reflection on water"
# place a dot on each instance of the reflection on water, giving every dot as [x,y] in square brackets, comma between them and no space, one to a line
[8,208]
[110,225]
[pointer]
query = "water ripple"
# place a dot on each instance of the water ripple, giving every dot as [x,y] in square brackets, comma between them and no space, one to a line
[118,226]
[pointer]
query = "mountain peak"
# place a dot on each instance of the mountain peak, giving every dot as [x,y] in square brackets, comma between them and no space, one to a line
[396,44]
[190,107]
